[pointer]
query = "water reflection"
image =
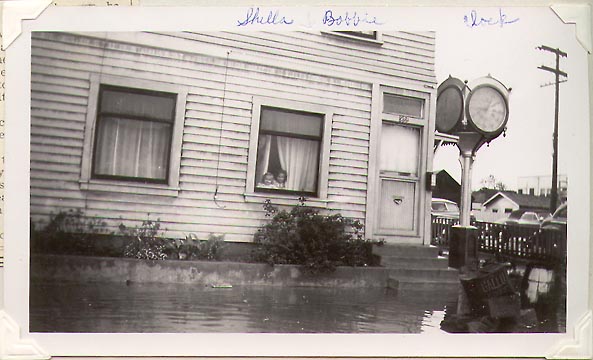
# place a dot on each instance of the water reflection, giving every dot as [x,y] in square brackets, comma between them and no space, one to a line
[109,307]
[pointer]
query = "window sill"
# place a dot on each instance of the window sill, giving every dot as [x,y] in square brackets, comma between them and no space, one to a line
[129,188]
[361,39]
[284,199]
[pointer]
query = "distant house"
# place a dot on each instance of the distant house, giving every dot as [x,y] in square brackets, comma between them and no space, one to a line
[479,197]
[446,187]
[502,203]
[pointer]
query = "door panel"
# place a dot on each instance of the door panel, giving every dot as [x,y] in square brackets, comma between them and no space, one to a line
[397,205]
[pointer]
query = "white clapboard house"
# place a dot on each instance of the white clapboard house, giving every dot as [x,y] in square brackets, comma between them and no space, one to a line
[184,127]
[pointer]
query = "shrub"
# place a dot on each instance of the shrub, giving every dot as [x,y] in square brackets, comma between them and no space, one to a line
[192,248]
[302,236]
[144,241]
[67,232]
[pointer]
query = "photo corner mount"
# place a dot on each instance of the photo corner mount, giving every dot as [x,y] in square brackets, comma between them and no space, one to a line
[14,12]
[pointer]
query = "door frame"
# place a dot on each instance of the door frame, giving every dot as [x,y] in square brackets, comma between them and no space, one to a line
[422,208]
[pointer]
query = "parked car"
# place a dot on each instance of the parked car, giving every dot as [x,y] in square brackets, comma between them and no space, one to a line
[522,217]
[557,221]
[444,208]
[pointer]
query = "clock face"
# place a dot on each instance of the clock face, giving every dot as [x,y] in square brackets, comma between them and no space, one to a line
[449,109]
[487,109]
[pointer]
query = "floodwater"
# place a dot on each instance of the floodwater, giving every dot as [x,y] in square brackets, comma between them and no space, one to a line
[178,308]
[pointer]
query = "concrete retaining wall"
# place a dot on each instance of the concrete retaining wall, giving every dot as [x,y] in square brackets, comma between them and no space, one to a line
[97,269]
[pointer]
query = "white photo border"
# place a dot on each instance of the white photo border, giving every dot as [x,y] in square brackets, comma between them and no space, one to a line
[16,271]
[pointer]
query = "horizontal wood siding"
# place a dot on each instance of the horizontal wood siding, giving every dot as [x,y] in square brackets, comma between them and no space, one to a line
[218,117]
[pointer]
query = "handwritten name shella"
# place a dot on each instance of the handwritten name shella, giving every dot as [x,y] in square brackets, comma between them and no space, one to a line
[271,17]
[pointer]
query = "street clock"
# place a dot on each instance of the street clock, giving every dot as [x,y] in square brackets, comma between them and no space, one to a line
[477,113]
[449,104]
[480,107]
[487,107]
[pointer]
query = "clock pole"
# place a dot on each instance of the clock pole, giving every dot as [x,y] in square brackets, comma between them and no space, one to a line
[476,113]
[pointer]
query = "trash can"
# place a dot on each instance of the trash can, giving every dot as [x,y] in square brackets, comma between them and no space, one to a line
[489,290]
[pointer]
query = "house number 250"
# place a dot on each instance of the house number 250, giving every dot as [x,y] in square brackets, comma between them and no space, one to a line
[404,119]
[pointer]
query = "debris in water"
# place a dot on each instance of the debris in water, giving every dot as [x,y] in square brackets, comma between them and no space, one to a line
[222,286]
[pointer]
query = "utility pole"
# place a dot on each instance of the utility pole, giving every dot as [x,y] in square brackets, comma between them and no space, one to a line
[557,72]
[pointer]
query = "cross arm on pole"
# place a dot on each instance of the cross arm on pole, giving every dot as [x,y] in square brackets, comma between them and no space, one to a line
[555,51]
[555,71]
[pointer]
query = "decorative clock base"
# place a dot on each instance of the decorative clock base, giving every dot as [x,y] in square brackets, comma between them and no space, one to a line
[12,346]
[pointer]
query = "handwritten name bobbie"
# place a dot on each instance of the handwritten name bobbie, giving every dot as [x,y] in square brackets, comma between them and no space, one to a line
[348,19]
[474,20]
[271,17]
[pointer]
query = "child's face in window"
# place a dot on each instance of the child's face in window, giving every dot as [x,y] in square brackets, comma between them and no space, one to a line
[268,178]
[281,178]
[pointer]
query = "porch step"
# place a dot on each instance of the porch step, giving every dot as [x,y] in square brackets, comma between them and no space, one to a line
[415,267]
[425,285]
[396,261]
[424,275]
[406,251]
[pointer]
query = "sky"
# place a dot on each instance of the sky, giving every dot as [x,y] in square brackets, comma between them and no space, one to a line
[509,54]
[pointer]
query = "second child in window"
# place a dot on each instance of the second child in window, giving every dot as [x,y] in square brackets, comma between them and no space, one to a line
[281,179]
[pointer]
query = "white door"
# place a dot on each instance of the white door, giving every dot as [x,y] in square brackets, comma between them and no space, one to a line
[400,166]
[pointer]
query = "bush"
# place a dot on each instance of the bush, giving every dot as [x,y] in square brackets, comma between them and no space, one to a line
[192,248]
[67,232]
[302,236]
[144,241]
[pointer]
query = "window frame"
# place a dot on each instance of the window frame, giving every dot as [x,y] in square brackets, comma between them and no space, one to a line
[352,36]
[89,181]
[101,114]
[319,198]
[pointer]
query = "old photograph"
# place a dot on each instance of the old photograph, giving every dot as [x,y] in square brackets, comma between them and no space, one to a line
[349,179]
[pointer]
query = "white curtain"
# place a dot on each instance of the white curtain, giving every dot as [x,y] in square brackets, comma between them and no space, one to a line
[400,146]
[263,157]
[297,155]
[132,148]
[299,159]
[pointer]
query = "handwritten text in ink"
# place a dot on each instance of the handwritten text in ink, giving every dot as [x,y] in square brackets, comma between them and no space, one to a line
[349,19]
[475,20]
[271,17]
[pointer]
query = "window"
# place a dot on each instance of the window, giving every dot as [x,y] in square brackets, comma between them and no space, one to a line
[367,37]
[288,151]
[400,149]
[133,134]
[403,105]
[438,206]
[531,191]
[361,34]
[494,210]
[508,210]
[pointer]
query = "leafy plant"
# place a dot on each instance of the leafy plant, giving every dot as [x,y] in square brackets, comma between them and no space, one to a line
[192,248]
[302,236]
[68,232]
[144,241]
